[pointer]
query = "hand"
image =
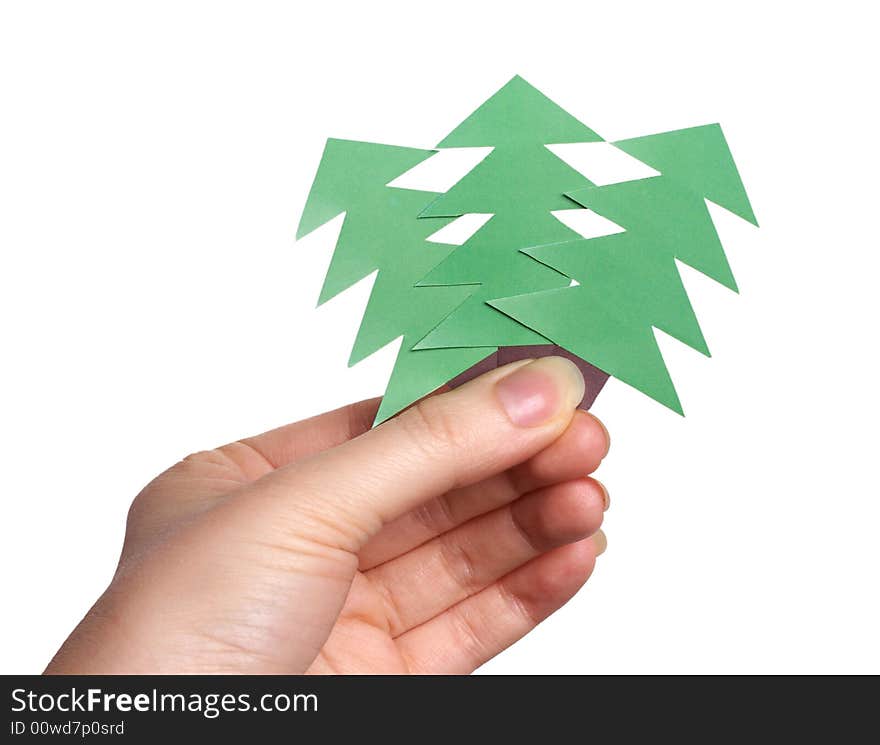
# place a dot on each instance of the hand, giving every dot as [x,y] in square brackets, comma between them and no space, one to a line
[426,545]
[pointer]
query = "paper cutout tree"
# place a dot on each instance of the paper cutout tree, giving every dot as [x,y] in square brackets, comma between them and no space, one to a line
[520,182]
[380,232]
[505,293]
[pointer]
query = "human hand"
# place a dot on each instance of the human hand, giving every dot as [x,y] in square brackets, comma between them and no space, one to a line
[426,545]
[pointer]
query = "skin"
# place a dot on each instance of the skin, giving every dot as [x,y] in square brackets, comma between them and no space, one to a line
[428,544]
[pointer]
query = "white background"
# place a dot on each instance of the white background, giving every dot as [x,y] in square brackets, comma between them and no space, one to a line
[153,161]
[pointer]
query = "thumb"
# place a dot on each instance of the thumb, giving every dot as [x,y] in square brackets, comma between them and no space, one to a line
[441,443]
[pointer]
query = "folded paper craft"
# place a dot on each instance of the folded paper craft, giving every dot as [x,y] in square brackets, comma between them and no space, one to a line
[525,285]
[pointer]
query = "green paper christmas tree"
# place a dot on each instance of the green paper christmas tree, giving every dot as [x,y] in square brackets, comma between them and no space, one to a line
[629,280]
[380,232]
[525,283]
[520,182]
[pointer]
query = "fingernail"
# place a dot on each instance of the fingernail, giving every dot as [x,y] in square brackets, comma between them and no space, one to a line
[600,542]
[535,393]
[606,497]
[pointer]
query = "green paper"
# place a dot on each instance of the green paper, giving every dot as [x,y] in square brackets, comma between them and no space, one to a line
[510,181]
[381,232]
[699,159]
[599,330]
[492,254]
[675,218]
[628,282]
[517,114]
[638,273]
[350,174]
[418,373]
[520,182]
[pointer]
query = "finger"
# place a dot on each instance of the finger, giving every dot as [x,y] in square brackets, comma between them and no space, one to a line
[284,445]
[212,473]
[577,452]
[200,480]
[584,446]
[346,494]
[472,632]
[423,583]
